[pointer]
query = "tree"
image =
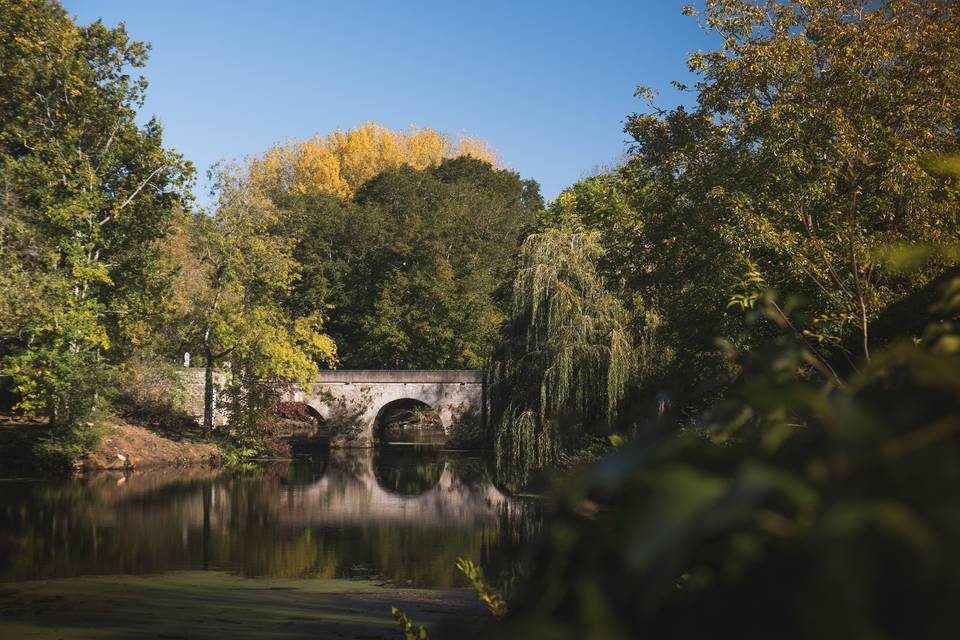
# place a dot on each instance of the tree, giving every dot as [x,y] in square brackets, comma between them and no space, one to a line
[806,154]
[237,314]
[341,162]
[601,203]
[570,356]
[412,270]
[90,191]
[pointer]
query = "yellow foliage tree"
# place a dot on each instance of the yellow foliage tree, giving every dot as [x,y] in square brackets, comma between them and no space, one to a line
[475,148]
[342,161]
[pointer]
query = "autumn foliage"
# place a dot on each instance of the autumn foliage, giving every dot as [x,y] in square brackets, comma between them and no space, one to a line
[340,162]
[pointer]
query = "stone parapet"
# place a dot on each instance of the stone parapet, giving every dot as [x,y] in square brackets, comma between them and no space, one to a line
[434,376]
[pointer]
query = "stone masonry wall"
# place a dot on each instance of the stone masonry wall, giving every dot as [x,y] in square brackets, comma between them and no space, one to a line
[193,383]
[350,401]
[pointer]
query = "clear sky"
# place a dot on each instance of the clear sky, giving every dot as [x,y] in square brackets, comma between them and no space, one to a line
[547,84]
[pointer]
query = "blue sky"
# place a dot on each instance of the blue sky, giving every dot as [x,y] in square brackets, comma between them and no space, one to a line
[547,84]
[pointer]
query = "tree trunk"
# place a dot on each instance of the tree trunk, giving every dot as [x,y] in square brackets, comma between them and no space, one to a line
[208,396]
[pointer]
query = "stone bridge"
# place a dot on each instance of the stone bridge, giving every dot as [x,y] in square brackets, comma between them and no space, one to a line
[354,403]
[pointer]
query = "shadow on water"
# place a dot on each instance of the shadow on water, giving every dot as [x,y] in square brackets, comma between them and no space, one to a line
[402,513]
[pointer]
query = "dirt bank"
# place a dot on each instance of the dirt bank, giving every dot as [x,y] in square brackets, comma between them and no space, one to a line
[124,446]
[129,446]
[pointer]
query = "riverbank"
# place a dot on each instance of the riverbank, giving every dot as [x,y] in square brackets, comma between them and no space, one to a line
[131,446]
[124,445]
[213,604]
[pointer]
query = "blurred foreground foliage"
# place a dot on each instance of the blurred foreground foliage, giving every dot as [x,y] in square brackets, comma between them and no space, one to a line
[802,509]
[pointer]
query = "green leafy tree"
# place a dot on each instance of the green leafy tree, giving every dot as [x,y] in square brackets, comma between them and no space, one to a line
[569,358]
[412,271]
[237,315]
[87,191]
[603,203]
[807,152]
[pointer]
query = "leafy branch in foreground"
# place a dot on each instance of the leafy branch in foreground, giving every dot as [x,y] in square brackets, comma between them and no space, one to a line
[490,596]
[487,593]
[804,509]
[411,631]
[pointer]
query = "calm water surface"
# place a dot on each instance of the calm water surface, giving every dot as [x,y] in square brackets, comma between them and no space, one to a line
[401,513]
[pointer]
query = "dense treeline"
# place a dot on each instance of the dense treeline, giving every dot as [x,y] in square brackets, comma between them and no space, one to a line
[411,269]
[362,248]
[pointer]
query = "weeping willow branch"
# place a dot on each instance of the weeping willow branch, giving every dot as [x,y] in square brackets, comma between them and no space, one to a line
[565,369]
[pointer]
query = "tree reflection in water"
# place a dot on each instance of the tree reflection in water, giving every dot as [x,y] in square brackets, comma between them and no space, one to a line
[407,470]
[402,513]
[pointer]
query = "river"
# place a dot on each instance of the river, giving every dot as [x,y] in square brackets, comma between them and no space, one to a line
[346,532]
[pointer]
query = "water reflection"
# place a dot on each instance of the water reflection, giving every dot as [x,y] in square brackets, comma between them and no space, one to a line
[403,513]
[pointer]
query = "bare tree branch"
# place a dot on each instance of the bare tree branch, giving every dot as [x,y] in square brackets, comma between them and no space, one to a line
[133,195]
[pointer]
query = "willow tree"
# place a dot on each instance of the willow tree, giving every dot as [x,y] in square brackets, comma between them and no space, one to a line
[564,371]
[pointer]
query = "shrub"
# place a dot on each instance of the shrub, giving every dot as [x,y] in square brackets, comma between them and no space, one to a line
[153,392]
[63,446]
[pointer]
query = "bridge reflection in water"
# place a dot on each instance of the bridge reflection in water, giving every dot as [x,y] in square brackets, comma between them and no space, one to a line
[395,512]
[399,486]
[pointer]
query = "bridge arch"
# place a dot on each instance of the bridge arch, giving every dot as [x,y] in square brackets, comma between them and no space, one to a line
[408,420]
[351,401]
[298,421]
